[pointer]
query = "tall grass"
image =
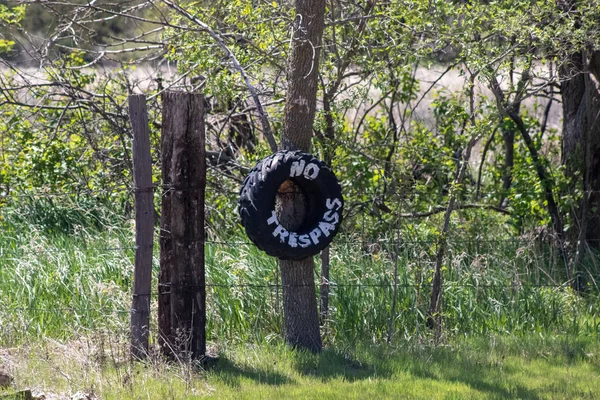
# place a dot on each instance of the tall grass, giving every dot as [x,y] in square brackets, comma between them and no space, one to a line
[60,284]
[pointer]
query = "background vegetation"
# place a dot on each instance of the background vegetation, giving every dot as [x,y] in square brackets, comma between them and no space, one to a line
[411,93]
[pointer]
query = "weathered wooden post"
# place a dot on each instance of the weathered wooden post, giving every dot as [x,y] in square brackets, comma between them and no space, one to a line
[165,337]
[144,226]
[183,127]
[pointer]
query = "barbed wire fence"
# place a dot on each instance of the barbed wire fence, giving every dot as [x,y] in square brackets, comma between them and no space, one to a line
[542,275]
[463,256]
[370,249]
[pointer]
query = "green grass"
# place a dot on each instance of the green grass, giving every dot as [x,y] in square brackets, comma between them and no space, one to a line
[499,367]
[61,285]
[57,286]
[508,331]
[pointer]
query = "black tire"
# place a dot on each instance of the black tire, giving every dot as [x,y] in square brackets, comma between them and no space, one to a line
[322,193]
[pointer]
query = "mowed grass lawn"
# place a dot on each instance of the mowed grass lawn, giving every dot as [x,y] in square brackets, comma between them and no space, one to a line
[492,368]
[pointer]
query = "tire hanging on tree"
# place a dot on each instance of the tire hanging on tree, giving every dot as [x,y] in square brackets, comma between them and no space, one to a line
[323,200]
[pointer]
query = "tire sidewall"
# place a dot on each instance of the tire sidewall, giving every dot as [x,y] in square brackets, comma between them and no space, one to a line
[323,196]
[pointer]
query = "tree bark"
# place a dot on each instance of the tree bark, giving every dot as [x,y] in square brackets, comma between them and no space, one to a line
[299,296]
[509,160]
[434,316]
[544,178]
[435,301]
[580,91]
[301,98]
[579,77]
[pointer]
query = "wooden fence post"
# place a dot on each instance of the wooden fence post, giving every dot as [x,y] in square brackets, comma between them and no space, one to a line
[144,226]
[165,337]
[183,118]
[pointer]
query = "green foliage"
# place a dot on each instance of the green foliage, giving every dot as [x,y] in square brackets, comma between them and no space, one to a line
[6,45]
[497,367]
[65,163]
[9,17]
[13,15]
[59,148]
[389,160]
[254,33]
[58,285]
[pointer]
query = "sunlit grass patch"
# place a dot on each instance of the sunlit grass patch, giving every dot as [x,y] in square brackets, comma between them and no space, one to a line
[499,367]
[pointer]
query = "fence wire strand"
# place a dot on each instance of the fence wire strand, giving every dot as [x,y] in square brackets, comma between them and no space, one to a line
[394,247]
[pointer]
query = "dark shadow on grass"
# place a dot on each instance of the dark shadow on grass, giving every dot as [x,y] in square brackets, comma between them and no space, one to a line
[436,364]
[333,364]
[479,369]
[231,374]
[478,373]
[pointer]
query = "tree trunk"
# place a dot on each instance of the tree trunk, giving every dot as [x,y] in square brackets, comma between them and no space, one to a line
[511,109]
[509,156]
[434,318]
[508,134]
[301,99]
[580,89]
[435,301]
[299,296]
[581,131]
[544,177]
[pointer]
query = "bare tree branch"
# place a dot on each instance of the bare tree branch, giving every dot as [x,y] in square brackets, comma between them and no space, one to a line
[440,209]
[266,127]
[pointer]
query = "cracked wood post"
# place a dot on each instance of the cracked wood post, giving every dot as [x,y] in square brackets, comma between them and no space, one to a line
[183,117]
[165,337]
[301,316]
[144,226]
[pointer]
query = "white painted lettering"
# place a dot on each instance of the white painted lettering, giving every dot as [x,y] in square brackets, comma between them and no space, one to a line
[273,219]
[311,171]
[334,204]
[304,241]
[331,216]
[297,168]
[281,232]
[315,234]
[293,240]
[326,227]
